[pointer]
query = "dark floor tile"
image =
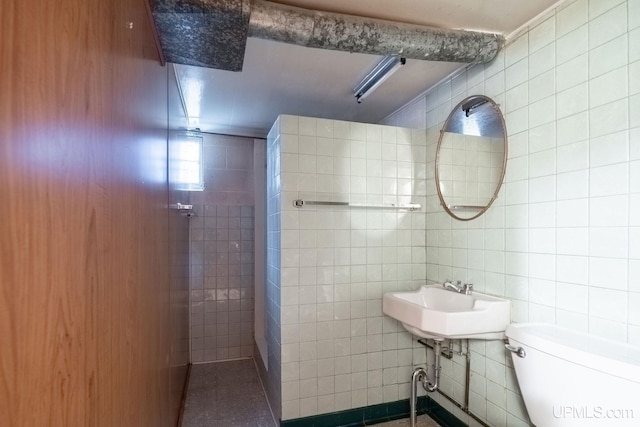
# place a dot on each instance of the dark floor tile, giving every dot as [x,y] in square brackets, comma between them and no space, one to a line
[243,423]
[259,413]
[203,400]
[199,417]
[265,421]
[258,404]
[240,387]
[253,422]
[226,394]
[202,377]
[232,410]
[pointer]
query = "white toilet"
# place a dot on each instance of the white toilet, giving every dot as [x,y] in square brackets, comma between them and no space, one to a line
[568,378]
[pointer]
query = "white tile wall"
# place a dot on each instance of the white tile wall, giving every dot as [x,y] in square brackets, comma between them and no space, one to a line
[329,266]
[283,137]
[221,279]
[222,286]
[562,240]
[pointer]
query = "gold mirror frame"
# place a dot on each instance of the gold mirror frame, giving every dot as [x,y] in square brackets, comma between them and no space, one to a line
[466,107]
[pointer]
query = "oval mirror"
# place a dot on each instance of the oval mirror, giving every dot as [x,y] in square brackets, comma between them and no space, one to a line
[471,157]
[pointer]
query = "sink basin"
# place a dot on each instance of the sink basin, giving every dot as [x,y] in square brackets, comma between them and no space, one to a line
[438,313]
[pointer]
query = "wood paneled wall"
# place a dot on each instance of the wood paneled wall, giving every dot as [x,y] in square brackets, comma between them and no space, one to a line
[84,280]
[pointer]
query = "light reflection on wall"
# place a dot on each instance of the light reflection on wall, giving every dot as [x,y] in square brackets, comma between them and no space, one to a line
[470,126]
[152,160]
[191,88]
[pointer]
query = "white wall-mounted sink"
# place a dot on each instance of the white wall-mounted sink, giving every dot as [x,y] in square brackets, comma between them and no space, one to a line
[438,313]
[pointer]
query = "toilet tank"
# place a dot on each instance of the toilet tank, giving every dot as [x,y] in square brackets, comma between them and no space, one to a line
[568,378]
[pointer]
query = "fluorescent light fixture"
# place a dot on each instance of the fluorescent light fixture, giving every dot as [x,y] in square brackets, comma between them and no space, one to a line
[381,72]
[472,103]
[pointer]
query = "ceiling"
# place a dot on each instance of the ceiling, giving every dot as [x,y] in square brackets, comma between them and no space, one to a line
[279,78]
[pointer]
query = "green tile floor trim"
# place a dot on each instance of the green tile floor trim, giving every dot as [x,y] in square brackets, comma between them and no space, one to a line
[375,414]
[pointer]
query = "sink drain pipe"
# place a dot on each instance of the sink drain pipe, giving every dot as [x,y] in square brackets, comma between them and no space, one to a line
[421,375]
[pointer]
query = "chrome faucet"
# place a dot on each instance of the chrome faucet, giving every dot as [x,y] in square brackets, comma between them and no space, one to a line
[458,286]
[467,288]
[453,286]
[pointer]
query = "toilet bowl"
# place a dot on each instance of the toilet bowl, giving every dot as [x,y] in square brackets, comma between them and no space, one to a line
[568,378]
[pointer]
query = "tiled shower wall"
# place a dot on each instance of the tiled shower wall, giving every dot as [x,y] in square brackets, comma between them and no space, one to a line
[563,239]
[222,252]
[273,280]
[330,346]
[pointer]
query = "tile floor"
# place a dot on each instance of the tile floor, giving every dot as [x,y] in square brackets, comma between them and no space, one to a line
[229,394]
[226,394]
[423,421]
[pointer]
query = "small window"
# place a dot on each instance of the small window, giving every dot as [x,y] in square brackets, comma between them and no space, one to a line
[185,162]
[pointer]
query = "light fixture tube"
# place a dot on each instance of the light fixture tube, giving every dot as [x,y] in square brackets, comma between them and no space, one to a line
[381,72]
[473,103]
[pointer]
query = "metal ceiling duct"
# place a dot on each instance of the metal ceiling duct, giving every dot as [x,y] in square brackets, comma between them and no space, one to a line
[348,33]
[213,33]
